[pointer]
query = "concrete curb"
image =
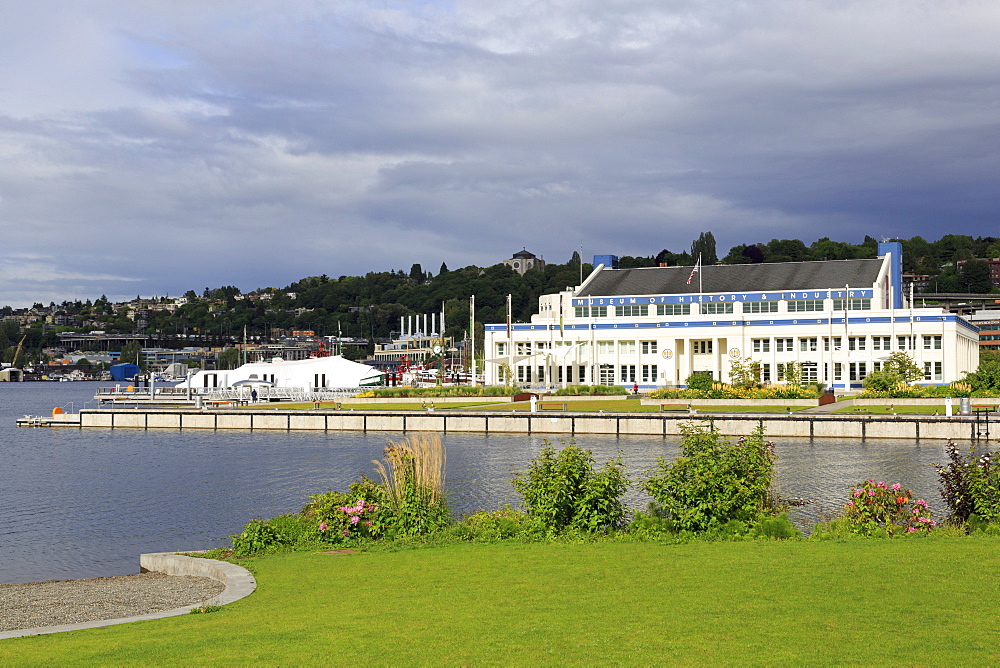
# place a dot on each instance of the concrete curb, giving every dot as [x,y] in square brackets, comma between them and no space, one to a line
[238,580]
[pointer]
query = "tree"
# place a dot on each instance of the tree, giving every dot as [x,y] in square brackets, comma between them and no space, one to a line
[744,373]
[704,247]
[229,358]
[416,274]
[132,353]
[975,277]
[443,270]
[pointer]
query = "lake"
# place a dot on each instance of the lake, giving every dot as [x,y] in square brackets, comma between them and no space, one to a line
[85,503]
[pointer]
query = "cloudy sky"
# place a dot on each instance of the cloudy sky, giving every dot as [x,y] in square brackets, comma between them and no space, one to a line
[155,147]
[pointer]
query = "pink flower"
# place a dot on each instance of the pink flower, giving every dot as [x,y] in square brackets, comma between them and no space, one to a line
[368,523]
[850,504]
[896,487]
[871,493]
[881,483]
[354,519]
[921,502]
[911,529]
[857,493]
[323,526]
[346,532]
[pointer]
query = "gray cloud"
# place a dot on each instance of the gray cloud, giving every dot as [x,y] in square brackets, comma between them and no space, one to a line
[153,149]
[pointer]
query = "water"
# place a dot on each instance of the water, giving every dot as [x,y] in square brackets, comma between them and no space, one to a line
[83,503]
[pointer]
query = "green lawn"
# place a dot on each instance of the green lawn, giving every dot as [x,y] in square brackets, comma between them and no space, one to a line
[486,404]
[633,406]
[901,602]
[901,410]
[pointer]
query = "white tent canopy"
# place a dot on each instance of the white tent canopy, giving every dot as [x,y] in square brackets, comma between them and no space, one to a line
[309,374]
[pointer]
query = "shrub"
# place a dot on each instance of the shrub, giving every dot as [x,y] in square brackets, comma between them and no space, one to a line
[970,487]
[779,527]
[433,392]
[700,380]
[267,535]
[714,481]
[877,509]
[337,517]
[564,491]
[256,536]
[502,524]
[591,390]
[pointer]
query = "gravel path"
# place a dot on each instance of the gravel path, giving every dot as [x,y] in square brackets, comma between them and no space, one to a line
[26,606]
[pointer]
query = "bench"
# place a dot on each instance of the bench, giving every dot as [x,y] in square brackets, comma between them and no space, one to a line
[552,405]
[218,403]
[336,405]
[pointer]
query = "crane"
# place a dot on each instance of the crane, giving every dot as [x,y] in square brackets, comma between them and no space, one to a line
[13,361]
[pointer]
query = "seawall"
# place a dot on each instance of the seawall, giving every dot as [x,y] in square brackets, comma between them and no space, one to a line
[559,423]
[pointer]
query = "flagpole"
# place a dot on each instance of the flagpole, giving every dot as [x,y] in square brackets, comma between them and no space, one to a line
[700,271]
[472,338]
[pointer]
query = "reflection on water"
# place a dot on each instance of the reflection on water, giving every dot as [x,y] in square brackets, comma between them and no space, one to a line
[83,503]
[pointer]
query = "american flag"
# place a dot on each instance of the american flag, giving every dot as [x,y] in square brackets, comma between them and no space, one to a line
[694,270]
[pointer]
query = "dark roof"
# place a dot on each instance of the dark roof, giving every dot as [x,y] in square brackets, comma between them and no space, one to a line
[734,278]
[524,254]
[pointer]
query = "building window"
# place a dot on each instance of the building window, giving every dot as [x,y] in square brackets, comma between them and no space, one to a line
[828,339]
[605,347]
[765,373]
[932,342]
[701,347]
[649,373]
[856,343]
[858,370]
[783,346]
[800,305]
[523,348]
[810,372]
[932,370]
[905,343]
[649,347]
[501,350]
[673,309]
[838,371]
[582,374]
[762,345]
[626,347]
[591,311]
[606,374]
[760,307]
[852,304]
[881,343]
[808,345]
[715,309]
[631,310]
[628,373]
[524,374]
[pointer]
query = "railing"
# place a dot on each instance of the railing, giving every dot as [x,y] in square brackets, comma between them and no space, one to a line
[293,394]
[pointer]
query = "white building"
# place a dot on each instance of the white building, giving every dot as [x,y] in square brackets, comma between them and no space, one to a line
[655,326]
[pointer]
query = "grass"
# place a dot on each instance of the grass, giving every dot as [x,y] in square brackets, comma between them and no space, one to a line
[359,406]
[902,410]
[902,601]
[634,406]
[505,405]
